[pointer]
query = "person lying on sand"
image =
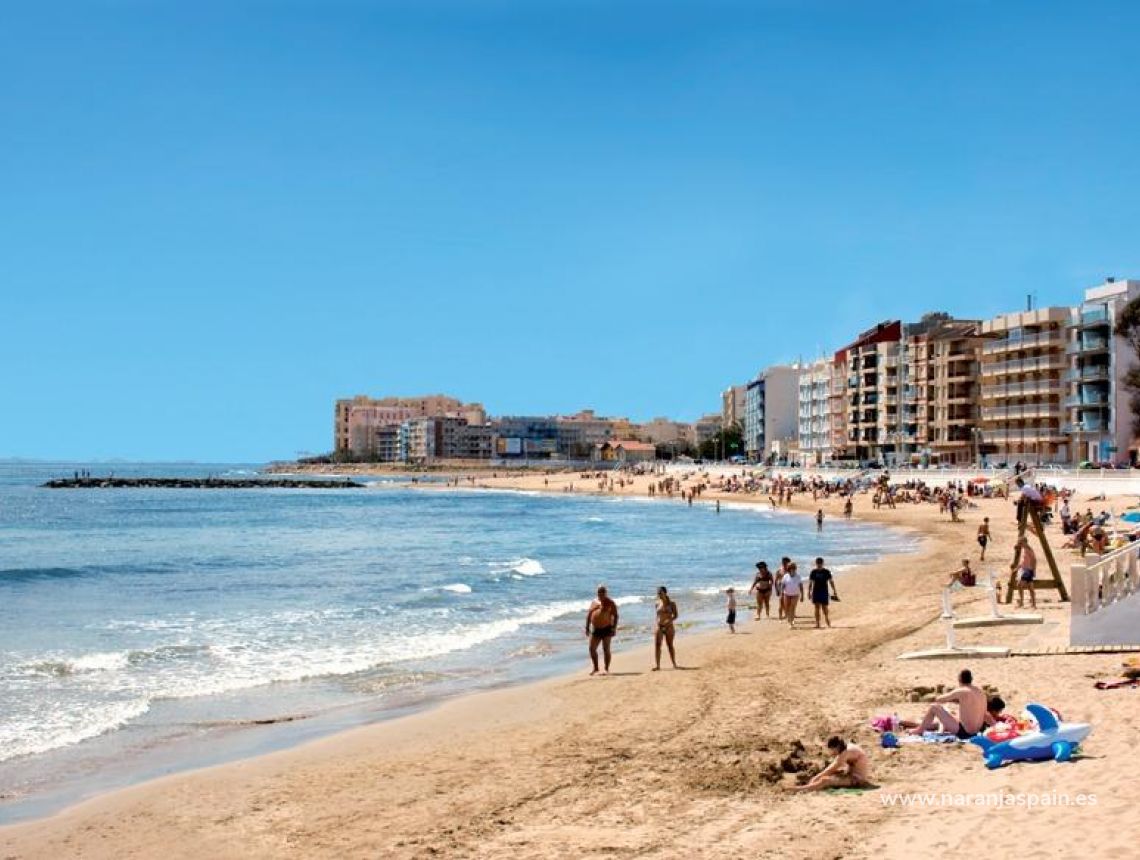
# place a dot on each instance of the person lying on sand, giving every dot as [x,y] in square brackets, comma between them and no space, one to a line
[850,769]
[972,713]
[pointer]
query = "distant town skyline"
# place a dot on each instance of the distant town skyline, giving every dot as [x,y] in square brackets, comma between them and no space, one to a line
[219,218]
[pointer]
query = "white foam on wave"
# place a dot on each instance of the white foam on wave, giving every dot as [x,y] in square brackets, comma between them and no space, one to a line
[99,661]
[62,726]
[456,588]
[519,567]
[595,519]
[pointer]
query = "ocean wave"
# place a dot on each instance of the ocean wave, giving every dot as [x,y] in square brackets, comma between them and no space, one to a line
[519,567]
[456,588]
[28,574]
[65,726]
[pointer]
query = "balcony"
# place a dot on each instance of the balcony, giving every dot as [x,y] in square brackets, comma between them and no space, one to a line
[1089,399]
[1095,317]
[1023,434]
[1023,389]
[1092,373]
[1087,344]
[1025,365]
[1088,425]
[1024,410]
[1055,337]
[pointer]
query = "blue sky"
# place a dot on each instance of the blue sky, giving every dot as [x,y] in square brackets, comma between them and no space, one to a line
[216,218]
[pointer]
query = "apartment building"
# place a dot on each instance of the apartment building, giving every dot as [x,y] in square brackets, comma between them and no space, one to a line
[580,432]
[770,412]
[526,436]
[662,431]
[1098,413]
[443,438]
[356,420]
[871,395]
[732,405]
[940,393]
[814,413]
[705,428]
[1024,363]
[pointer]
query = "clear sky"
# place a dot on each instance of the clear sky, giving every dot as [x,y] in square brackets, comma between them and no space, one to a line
[217,217]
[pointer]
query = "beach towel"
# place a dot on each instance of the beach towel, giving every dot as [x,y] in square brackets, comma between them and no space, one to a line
[1114,685]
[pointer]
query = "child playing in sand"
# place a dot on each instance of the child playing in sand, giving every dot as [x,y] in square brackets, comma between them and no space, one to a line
[730,605]
[850,769]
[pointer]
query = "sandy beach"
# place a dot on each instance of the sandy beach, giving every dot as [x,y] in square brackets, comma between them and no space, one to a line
[691,763]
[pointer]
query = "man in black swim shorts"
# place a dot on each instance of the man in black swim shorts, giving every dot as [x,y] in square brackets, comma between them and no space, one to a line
[601,625]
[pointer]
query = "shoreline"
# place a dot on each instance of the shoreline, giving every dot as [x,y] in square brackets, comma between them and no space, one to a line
[517,769]
[175,755]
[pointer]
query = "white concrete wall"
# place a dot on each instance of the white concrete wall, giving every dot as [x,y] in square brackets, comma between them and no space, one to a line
[1118,624]
[781,406]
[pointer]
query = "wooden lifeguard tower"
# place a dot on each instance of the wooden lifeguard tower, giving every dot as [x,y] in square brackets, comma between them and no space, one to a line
[1029,516]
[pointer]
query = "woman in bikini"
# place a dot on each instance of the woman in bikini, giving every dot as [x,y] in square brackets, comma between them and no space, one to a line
[666,615]
[762,586]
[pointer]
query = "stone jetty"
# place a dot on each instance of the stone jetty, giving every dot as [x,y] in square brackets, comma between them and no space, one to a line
[110,481]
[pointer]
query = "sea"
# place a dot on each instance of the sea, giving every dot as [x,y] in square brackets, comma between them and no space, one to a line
[148,631]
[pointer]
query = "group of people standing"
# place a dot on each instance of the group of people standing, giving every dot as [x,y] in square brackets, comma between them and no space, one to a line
[789,588]
[602,623]
[603,615]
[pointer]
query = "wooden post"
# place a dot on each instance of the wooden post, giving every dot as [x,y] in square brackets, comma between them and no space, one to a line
[1029,515]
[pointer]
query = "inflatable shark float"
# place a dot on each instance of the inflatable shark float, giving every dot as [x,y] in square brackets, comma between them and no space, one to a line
[1052,740]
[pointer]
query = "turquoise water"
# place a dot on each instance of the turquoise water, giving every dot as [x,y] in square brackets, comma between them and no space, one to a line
[137,623]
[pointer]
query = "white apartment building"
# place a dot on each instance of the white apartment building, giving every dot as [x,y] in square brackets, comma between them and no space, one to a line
[771,412]
[1098,416]
[814,412]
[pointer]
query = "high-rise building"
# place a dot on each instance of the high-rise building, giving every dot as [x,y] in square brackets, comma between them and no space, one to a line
[814,412]
[1099,416]
[732,404]
[939,391]
[1023,387]
[871,366]
[770,412]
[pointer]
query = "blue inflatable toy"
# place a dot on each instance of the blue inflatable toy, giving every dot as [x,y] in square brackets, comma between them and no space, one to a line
[1052,740]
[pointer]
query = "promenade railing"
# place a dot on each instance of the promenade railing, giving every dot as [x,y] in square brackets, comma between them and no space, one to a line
[1100,581]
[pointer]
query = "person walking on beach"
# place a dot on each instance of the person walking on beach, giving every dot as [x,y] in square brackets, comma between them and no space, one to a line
[793,593]
[848,507]
[601,624]
[819,520]
[820,579]
[984,536]
[762,585]
[730,606]
[780,574]
[666,610]
[1026,567]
